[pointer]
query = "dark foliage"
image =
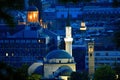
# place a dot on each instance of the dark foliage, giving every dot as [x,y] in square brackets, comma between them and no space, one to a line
[6,5]
[115,3]
[104,73]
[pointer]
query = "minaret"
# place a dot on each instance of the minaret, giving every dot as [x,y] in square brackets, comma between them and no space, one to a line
[91,58]
[83,30]
[68,39]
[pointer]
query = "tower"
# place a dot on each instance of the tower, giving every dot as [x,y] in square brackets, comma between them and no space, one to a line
[33,18]
[32,14]
[68,39]
[83,30]
[91,58]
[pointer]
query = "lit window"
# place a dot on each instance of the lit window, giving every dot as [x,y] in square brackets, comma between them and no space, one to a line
[12,54]
[35,15]
[30,17]
[39,41]
[90,49]
[6,54]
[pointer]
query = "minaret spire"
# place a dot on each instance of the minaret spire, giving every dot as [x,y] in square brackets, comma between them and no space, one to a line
[68,39]
[68,20]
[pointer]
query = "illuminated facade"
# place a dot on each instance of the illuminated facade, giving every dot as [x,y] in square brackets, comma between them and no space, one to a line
[91,62]
[29,44]
[58,64]
[105,57]
[17,51]
[32,14]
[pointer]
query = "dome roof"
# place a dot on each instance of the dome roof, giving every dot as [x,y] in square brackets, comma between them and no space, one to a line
[32,8]
[58,54]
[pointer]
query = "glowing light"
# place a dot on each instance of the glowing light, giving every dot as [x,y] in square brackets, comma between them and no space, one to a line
[116,76]
[68,39]
[12,54]
[6,54]
[39,40]
[83,27]
[90,49]
[34,15]
[30,16]
[82,23]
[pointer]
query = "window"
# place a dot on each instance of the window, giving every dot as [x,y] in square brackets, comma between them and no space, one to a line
[106,54]
[62,16]
[11,41]
[6,41]
[6,54]
[17,41]
[12,54]
[97,54]
[27,41]
[34,41]
[90,54]
[22,41]
[39,41]
[90,49]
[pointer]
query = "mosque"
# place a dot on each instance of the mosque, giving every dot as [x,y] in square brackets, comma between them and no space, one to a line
[57,64]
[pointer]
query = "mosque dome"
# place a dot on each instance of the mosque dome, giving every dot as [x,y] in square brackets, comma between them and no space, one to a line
[58,54]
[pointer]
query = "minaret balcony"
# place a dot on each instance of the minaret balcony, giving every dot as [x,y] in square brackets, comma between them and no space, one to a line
[83,28]
[68,39]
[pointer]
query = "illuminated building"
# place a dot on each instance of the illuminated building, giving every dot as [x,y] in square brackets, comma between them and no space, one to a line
[32,15]
[91,60]
[27,45]
[58,64]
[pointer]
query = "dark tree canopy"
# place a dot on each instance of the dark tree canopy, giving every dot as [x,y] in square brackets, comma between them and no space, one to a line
[104,73]
[6,5]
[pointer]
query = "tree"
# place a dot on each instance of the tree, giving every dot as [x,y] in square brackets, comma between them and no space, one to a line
[115,3]
[104,73]
[79,76]
[84,75]
[75,76]
[34,77]
[6,5]
[6,72]
[117,70]
[21,73]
